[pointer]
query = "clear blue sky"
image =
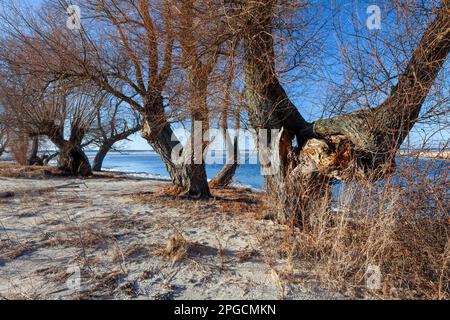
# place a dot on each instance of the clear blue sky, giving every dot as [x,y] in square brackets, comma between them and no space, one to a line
[307,105]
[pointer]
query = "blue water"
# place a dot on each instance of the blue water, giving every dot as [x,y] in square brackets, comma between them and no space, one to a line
[148,164]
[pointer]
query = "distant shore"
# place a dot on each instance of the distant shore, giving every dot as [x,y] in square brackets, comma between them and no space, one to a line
[441,155]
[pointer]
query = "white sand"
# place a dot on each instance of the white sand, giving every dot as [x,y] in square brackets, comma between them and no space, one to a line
[98,228]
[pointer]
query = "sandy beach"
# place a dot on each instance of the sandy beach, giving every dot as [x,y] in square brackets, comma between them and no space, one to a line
[113,237]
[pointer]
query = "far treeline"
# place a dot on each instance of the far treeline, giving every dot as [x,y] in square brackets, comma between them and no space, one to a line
[147,66]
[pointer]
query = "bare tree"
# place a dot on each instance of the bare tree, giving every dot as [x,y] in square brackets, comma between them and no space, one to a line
[63,116]
[131,58]
[114,123]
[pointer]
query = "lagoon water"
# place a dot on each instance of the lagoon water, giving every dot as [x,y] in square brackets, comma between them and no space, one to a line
[147,164]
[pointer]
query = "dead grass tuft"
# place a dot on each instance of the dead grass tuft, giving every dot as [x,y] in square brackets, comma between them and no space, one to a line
[10,250]
[14,170]
[176,250]
[79,237]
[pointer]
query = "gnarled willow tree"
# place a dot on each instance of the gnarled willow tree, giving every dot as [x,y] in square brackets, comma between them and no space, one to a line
[361,144]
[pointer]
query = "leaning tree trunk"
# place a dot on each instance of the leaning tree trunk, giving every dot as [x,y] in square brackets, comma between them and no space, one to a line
[108,143]
[2,147]
[188,176]
[97,165]
[226,174]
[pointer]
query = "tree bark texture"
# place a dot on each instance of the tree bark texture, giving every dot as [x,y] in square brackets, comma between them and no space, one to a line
[186,175]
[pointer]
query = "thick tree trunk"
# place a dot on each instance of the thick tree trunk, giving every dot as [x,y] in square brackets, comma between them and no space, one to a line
[190,178]
[100,157]
[270,109]
[73,160]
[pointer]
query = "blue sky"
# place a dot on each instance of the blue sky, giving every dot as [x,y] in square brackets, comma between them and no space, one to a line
[314,92]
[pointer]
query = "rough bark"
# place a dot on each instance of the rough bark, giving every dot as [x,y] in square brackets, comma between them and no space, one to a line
[71,157]
[74,161]
[270,108]
[97,165]
[188,177]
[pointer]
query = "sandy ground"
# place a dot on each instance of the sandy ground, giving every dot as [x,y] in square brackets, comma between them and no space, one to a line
[114,238]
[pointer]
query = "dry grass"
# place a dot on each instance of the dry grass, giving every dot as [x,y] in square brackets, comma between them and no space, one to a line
[10,250]
[79,237]
[402,229]
[15,170]
[232,201]
[176,249]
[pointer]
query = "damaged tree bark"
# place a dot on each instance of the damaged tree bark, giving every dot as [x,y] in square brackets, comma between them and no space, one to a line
[270,109]
[361,144]
[376,135]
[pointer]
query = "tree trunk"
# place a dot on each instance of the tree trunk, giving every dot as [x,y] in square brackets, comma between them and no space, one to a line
[226,174]
[33,158]
[270,109]
[190,178]
[74,161]
[100,157]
